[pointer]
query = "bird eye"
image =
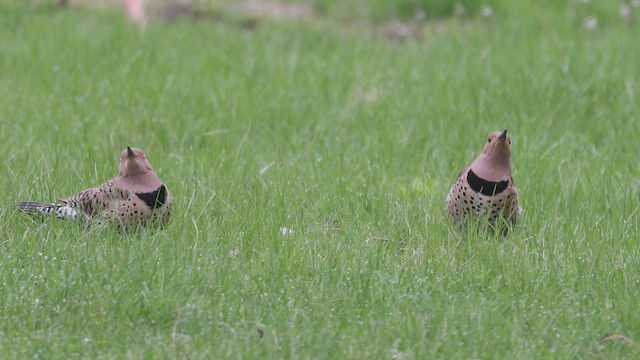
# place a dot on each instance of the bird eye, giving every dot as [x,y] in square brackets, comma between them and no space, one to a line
[489,140]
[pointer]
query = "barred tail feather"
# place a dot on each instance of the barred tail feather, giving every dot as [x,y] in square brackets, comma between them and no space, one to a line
[29,206]
[59,211]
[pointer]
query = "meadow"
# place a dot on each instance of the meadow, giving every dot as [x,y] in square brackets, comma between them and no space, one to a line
[347,139]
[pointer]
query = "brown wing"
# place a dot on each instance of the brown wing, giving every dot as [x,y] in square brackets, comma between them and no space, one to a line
[511,208]
[454,203]
[93,200]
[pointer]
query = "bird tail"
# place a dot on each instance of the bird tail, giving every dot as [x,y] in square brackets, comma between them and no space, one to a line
[59,211]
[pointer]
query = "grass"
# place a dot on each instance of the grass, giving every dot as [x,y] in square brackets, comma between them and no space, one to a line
[352,142]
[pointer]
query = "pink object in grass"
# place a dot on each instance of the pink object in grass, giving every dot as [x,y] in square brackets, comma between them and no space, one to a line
[134,9]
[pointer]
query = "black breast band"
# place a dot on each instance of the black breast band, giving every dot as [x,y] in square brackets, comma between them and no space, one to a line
[154,199]
[487,188]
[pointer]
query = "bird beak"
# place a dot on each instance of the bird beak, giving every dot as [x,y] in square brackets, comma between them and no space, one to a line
[503,136]
[130,152]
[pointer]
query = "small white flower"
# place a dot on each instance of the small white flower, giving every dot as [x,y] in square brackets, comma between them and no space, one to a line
[486,11]
[234,253]
[591,23]
[285,231]
[625,11]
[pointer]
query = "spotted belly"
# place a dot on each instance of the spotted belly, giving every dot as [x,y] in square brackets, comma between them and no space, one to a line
[464,204]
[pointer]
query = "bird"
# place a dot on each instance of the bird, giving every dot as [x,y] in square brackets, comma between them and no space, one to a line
[485,189]
[135,196]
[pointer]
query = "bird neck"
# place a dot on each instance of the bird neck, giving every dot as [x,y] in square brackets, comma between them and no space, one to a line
[146,182]
[492,168]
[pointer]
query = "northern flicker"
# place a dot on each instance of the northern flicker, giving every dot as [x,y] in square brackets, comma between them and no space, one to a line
[485,189]
[135,196]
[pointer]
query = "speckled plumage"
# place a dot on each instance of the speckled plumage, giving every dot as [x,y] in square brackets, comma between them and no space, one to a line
[485,189]
[135,196]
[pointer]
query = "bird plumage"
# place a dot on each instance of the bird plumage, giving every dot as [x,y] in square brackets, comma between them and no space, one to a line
[485,189]
[135,196]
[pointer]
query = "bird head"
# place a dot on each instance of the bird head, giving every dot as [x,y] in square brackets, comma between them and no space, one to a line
[498,145]
[133,162]
[494,162]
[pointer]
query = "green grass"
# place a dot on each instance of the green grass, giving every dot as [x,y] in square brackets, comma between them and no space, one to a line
[352,142]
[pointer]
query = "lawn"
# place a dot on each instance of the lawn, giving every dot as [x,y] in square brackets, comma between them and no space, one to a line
[349,139]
